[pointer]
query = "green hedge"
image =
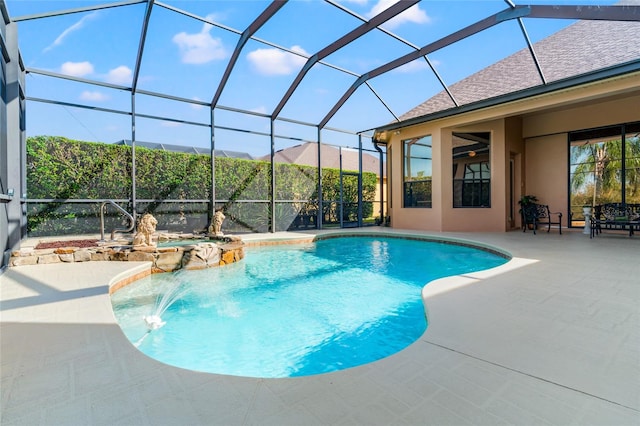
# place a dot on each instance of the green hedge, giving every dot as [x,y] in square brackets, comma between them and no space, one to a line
[60,168]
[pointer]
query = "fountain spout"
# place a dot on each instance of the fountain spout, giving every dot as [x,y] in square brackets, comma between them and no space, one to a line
[153,322]
[175,291]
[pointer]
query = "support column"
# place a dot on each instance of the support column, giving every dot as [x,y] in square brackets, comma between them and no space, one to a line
[272,219]
[133,158]
[360,200]
[212,211]
[319,212]
[12,147]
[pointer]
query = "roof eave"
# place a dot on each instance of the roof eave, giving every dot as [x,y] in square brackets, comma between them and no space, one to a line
[591,77]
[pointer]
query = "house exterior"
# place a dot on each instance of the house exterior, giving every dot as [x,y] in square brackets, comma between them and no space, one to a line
[307,154]
[464,167]
[332,157]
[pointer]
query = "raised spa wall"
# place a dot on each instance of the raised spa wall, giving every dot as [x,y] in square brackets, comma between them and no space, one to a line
[199,255]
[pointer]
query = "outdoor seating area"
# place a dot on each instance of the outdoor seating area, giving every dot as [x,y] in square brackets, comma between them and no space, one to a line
[615,217]
[534,215]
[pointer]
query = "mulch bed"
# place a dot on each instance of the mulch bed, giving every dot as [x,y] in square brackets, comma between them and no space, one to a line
[69,243]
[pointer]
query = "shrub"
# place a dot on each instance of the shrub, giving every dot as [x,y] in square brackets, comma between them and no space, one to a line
[169,185]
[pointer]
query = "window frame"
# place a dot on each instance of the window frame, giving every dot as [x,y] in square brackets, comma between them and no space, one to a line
[423,186]
[475,191]
[586,147]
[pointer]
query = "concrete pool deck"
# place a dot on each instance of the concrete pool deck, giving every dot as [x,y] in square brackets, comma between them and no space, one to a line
[553,337]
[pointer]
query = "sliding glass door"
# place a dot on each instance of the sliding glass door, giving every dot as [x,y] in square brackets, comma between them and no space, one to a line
[604,168]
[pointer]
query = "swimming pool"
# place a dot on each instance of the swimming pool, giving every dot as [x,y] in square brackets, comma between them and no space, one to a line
[295,310]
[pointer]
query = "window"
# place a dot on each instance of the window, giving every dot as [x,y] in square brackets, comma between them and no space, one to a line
[604,167]
[417,172]
[471,170]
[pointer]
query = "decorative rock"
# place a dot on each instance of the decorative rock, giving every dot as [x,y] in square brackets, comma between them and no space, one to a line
[166,236]
[100,256]
[119,256]
[64,250]
[48,258]
[167,249]
[203,256]
[231,253]
[165,259]
[169,262]
[67,258]
[24,260]
[227,257]
[148,249]
[42,252]
[82,256]
[140,256]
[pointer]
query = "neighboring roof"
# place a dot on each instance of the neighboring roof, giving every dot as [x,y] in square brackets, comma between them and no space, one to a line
[578,49]
[307,154]
[186,149]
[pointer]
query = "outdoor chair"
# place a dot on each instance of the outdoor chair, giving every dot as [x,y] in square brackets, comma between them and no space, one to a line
[615,216]
[534,214]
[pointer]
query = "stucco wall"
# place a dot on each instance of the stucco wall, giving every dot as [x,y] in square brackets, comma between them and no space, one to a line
[475,219]
[546,142]
[414,218]
[442,216]
[547,172]
[595,114]
[514,152]
[530,133]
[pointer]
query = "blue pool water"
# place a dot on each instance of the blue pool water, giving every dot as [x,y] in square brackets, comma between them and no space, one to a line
[295,310]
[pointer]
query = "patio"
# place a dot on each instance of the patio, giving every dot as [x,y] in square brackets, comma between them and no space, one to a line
[553,337]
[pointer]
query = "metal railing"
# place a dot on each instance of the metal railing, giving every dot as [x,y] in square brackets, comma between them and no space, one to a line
[132,220]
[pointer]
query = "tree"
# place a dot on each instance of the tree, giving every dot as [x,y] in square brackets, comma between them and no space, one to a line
[598,172]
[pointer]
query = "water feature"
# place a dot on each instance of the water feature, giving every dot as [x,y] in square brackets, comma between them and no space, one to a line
[173,290]
[293,310]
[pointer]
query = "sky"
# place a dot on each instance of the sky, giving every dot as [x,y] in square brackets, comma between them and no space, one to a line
[186,57]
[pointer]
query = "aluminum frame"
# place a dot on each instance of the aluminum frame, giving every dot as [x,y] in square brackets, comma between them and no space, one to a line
[511,12]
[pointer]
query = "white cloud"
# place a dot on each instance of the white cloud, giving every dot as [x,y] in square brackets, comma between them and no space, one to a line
[120,75]
[196,106]
[277,62]
[77,69]
[416,66]
[414,14]
[170,124]
[260,110]
[93,96]
[199,48]
[75,27]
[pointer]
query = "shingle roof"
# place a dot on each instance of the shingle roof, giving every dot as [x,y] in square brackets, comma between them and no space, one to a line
[307,154]
[577,49]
